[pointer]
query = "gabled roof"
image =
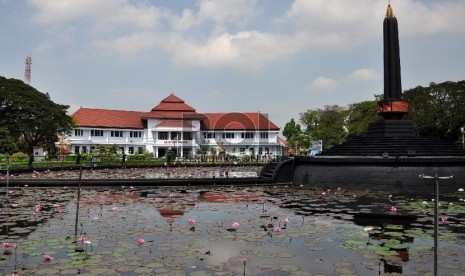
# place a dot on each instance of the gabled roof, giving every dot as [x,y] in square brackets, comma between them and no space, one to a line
[251,121]
[173,107]
[175,123]
[105,118]
[173,103]
[173,111]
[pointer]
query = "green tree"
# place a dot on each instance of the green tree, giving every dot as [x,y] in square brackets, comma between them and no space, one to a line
[7,143]
[327,124]
[30,116]
[294,135]
[438,110]
[359,116]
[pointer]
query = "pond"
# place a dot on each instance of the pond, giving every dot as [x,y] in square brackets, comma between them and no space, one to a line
[258,230]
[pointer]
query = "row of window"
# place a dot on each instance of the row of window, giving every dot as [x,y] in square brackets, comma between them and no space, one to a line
[113,133]
[231,135]
[165,135]
[83,149]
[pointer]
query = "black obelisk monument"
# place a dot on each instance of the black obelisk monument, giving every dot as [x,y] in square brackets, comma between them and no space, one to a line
[392,80]
[392,107]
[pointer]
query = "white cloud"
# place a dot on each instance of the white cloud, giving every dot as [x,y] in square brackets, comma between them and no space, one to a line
[323,84]
[220,34]
[44,46]
[363,74]
[133,45]
[58,11]
[227,11]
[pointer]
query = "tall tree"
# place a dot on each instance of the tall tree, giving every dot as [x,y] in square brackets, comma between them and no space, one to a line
[30,116]
[438,110]
[293,133]
[327,124]
[359,116]
[7,143]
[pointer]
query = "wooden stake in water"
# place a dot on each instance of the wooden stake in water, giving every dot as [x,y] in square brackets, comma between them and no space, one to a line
[77,203]
[7,174]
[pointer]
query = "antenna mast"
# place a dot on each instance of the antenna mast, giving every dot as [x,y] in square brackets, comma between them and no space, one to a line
[27,71]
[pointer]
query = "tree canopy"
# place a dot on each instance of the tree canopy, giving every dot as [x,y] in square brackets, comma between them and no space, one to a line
[327,124]
[293,133]
[30,117]
[438,110]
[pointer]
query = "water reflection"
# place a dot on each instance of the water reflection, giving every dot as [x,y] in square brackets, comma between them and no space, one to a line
[280,231]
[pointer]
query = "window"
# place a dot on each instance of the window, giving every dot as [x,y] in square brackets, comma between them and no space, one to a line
[96,132]
[116,133]
[140,150]
[175,136]
[242,150]
[264,135]
[92,148]
[209,135]
[260,151]
[84,149]
[228,135]
[131,150]
[78,132]
[187,136]
[76,150]
[162,135]
[135,134]
[267,150]
[247,135]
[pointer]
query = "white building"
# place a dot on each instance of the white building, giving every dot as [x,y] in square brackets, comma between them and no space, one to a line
[173,124]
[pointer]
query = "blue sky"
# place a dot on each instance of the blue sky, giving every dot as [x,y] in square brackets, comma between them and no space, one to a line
[273,56]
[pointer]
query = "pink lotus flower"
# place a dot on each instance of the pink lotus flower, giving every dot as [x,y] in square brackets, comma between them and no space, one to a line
[244,262]
[81,239]
[14,205]
[235,225]
[140,241]
[48,258]
[277,229]
[393,209]
[191,221]
[37,207]
[6,245]
[56,205]
[444,219]
[114,209]
[286,220]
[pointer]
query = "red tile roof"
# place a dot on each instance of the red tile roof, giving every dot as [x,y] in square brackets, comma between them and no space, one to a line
[105,118]
[173,103]
[173,115]
[173,107]
[175,110]
[237,121]
[171,123]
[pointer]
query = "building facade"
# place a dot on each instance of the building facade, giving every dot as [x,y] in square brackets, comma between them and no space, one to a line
[174,125]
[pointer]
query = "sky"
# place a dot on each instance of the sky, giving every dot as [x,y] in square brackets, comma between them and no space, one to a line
[277,57]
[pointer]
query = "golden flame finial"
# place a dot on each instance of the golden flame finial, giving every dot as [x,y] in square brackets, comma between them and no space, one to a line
[389,12]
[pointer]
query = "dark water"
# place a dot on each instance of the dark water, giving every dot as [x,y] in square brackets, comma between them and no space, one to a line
[282,231]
